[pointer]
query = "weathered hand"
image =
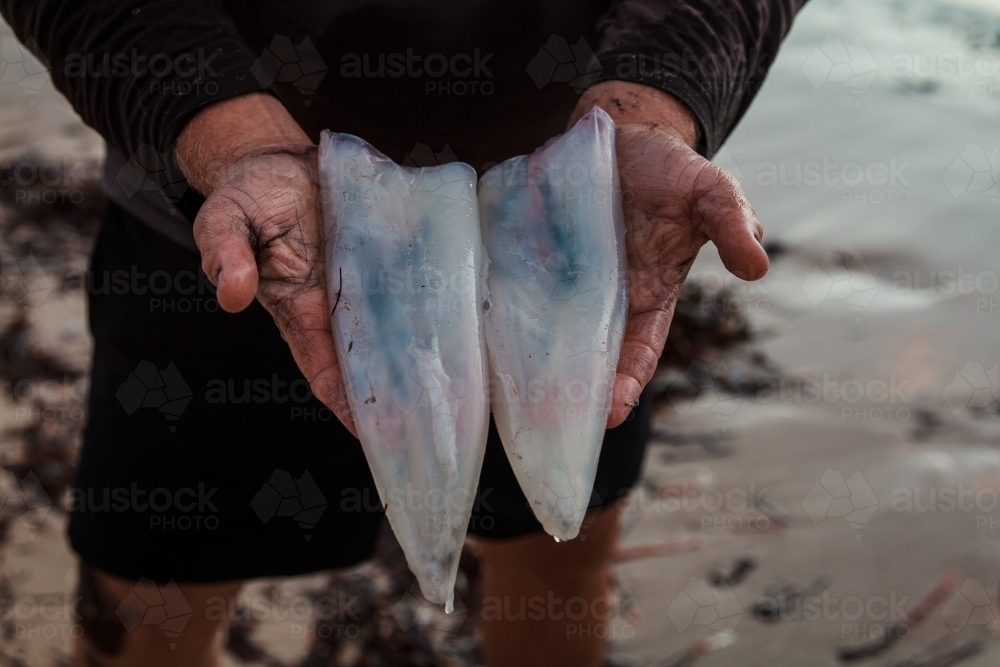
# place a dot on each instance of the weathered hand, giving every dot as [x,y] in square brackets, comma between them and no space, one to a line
[260,236]
[674,201]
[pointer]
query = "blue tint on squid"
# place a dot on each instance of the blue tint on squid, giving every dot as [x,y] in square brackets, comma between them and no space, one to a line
[406,278]
[553,227]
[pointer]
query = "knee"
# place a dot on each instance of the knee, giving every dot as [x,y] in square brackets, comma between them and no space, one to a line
[128,621]
[95,608]
[577,567]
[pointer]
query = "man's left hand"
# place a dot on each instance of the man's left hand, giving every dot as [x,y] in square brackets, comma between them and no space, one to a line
[674,201]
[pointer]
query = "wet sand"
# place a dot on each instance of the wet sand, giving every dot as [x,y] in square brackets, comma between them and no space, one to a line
[884,309]
[862,467]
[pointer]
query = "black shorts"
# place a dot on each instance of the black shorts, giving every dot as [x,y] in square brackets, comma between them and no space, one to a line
[206,457]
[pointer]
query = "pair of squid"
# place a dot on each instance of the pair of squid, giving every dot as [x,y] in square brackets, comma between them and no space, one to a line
[449,300]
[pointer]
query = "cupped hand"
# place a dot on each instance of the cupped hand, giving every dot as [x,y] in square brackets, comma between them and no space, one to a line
[260,232]
[675,201]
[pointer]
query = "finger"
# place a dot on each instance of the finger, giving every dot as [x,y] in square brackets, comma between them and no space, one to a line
[223,237]
[645,335]
[304,323]
[725,215]
[626,397]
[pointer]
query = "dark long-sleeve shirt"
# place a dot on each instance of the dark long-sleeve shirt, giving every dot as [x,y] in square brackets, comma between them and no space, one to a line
[422,81]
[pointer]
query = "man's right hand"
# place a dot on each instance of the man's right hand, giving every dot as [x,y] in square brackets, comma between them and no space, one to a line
[260,230]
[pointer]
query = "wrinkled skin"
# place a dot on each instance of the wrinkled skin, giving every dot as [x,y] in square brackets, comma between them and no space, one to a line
[675,201]
[260,236]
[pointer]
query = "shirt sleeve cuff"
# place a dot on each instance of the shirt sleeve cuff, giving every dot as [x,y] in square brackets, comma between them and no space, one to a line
[668,77]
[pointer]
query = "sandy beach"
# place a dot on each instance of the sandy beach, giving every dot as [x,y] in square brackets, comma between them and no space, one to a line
[847,454]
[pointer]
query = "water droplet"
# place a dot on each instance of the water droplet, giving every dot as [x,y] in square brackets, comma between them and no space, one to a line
[449,606]
[560,541]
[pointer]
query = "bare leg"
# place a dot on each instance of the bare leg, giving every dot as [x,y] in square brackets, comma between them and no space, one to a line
[546,603]
[117,631]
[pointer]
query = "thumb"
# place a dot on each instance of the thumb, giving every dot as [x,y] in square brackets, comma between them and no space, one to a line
[724,214]
[223,237]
